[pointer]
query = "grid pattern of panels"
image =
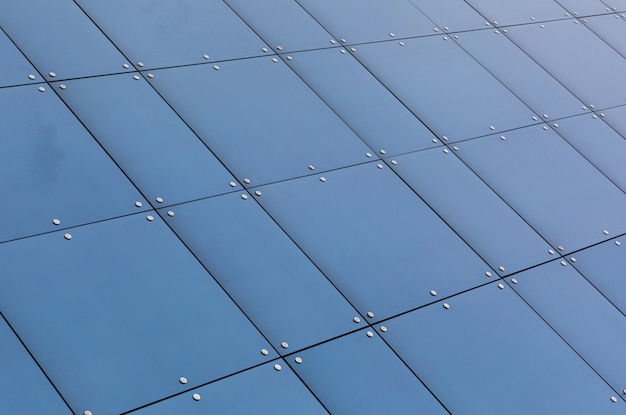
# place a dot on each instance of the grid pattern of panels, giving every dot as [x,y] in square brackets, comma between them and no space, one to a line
[312,207]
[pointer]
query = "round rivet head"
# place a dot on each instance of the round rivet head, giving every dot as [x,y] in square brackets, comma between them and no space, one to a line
[31,76]
[369,334]
[284,345]
[383,329]
[150,218]
[333,41]
[298,360]
[433,293]
[550,251]
[446,306]
[289,58]
[370,314]
[563,263]
[392,35]
[125,66]
[456,36]
[572,259]
[244,197]
[488,274]
[501,286]
[605,232]
[343,51]
[150,75]
[561,248]
[196,397]
[140,64]
[356,320]
[56,221]
[279,48]
[41,89]
[232,184]
[613,399]
[170,213]
[182,380]
[502,138]
[380,166]
[513,280]
[446,151]
[277,367]
[535,118]
[159,200]
[322,179]
[401,43]
[138,204]
[264,352]
[258,193]
[491,127]
[264,49]
[87,413]
[217,68]
[618,243]
[501,268]
[353,49]
[342,40]
[394,162]
[455,148]
[246,181]
[382,151]
[545,128]
[62,86]
[52,74]
[67,236]
[205,56]
[368,155]
[136,77]
[274,60]
[311,167]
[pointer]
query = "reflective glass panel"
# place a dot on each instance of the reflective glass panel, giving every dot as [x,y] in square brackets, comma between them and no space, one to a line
[582,316]
[616,117]
[161,33]
[567,200]
[285,295]
[504,13]
[59,39]
[116,312]
[473,210]
[360,374]
[515,69]
[283,24]
[374,238]
[14,68]
[611,28]
[425,75]
[489,353]
[264,123]
[370,109]
[451,15]
[564,48]
[149,141]
[583,7]
[52,168]
[24,388]
[615,5]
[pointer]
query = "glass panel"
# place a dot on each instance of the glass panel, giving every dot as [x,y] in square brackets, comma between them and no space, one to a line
[25,389]
[550,185]
[165,33]
[14,68]
[615,5]
[265,124]
[149,141]
[506,13]
[52,168]
[262,390]
[382,121]
[563,48]
[284,24]
[482,219]
[489,353]
[616,118]
[458,104]
[266,274]
[126,309]
[358,21]
[591,325]
[583,7]
[515,69]
[359,374]
[59,39]
[374,238]
[611,29]
[598,143]
[451,15]
[604,266]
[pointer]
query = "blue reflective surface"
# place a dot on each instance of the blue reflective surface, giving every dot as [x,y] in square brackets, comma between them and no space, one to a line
[14,67]
[580,8]
[615,118]
[611,28]
[451,15]
[509,13]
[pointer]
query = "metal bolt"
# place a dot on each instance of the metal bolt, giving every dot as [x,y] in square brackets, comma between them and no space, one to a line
[501,286]
[159,200]
[545,128]
[446,306]
[135,77]
[333,41]
[456,36]
[433,293]
[322,179]
[502,138]
[289,58]
[170,213]
[264,49]
[67,236]
[217,68]
[605,232]
[394,162]
[380,166]
[258,193]
[392,35]
[277,367]
[572,259]
[138,204]
[435,140]
[550,251]
[31,76]
[445,150]
[501,268]
[52,74]
[561,248]
[488,274]
[196,397]
[455,148]
[445,138]
[264,352]
[342,40]
[140,64]
[401,43]
[545,115]
[353,49]
[563,263]
[87,413]
[613,399]
[244,197]
[383,329]
[56,221]
[284,345]
[513,280]
[356,320]
[150,218]
[41,89]
[183,380]
[311,167]
[232,184]
[369,334]
[535,118]
[368,155]
[274,60]
[342,51]
[125,66]
[62,86]
[491,127]
[298,360]
[370,314]
[205,56]
[618,243]
[246,181]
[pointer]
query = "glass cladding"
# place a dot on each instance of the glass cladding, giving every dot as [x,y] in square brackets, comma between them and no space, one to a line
[312,207]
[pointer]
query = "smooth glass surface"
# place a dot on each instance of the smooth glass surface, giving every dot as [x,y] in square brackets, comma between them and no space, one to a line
[604,266]
[262,390]
[580,8]
[357,21]
[283,24]
[374,238]
[504,13]
[369,108]
[161,33]
[14,67]
[564,48]
[360,374]
[582,316]
[57,37]
[277,286]
[119,312]
[260,119]
[489,353]
[615,5]
[51,168]
[598,143]
[473,210]
[616,117]
[611,28]
[451,15]
[24,388]
[523,76]
[149,141]
[567,200]
[424,74]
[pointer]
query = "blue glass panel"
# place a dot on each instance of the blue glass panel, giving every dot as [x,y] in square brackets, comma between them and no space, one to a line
[382,121]
[425,75]
[14,68]
[550,185]
[615,5]
[611,28]
[591,325]
[118,313]
[265,273]
[52,168]
[451,15]
[158,33]
[356,21]
[495,231]
[374,238]
[264,123]
[515,69]
[59,39]
[598,143]
[604,266]
[25,389]
[580,8]
[489,353]
[505,13]
[283,24]
[262,390]
[360,374]
[563,48]
[616,117]
[149,141]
